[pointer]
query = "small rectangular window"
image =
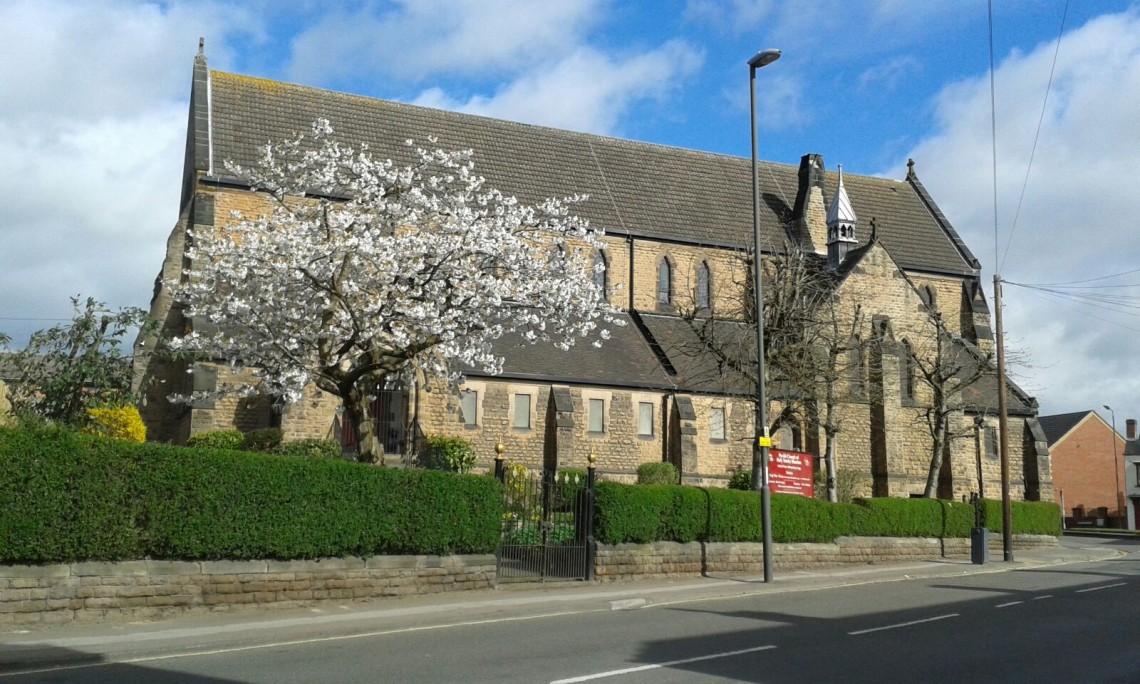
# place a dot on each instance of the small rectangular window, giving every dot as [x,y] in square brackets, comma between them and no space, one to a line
[522,411]
[468,406]
[645,419]
[596,415]
[716,423]
[991,443]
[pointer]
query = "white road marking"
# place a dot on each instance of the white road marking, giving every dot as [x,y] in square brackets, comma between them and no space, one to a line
[1007,605]
[627,604]
[642,668]
[1038,598]
[901,624]
[1107,586]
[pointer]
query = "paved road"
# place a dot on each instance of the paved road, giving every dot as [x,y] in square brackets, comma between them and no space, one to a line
[1041,622]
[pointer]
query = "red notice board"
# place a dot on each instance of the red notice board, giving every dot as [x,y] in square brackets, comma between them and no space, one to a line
[790,472]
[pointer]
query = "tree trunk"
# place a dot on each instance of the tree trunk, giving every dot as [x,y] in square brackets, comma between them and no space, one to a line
[935,458]
[368,446]
[830,429]
[829,461]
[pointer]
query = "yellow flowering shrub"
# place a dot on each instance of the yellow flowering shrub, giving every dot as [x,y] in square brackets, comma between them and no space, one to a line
[118,422]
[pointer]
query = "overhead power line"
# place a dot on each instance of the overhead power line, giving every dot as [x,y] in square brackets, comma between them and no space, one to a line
[1036,136]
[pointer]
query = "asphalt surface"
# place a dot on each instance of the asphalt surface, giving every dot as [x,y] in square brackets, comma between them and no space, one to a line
[113,644]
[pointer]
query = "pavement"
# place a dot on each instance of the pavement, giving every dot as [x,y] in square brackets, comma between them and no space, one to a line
[81,645]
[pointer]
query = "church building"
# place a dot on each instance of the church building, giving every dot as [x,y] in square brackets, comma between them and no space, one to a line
[900,286]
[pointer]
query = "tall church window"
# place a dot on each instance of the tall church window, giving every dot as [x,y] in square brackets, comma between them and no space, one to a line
[645,419]
[595,416]
[907,379]
[664,283]
[928,296]
[716,423]
[558,258]
[703,277]
[601,274]
[522,412]
[469,407]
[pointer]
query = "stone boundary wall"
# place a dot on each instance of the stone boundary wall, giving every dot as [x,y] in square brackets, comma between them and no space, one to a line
[56,594]
[88,592]
[663,560]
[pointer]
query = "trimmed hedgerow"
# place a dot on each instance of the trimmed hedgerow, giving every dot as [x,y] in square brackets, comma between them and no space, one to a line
[1029,517]
[917,518]
[312,447]
[217,439]
[72,497]
[228,505]
[66,496]
[658,473]
[262,439]
[647,513]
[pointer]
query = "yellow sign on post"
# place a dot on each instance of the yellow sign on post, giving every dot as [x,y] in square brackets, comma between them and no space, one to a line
[765,441]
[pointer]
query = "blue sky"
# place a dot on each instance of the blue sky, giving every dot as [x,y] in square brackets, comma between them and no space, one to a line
[93,116]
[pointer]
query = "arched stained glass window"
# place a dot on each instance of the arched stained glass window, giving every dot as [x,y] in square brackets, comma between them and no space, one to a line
[704,299]
[665,283]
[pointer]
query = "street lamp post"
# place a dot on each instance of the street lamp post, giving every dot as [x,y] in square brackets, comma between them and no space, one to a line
[1115,464]
[763,441]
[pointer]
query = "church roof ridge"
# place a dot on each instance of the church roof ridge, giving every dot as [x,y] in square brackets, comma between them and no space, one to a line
[635,188]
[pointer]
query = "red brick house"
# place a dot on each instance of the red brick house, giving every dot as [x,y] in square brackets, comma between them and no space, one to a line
[1088,468]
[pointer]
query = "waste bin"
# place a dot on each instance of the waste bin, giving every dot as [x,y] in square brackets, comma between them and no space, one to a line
[979,545]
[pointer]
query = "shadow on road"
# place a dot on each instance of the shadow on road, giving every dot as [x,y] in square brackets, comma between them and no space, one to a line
[28,664]
[1066,638]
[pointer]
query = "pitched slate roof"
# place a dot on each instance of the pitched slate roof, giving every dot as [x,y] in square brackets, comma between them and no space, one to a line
[627,361]
[697,370]
[635,188]
[1057,426]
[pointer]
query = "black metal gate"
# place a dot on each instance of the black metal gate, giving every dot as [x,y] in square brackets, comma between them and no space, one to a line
[548,526]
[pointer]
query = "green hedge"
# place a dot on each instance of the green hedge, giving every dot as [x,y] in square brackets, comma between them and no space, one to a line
[648,513]
[1029,517]
[66,496]
[74,497]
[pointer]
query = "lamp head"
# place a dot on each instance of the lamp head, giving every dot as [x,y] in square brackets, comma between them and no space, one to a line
[763,58]
[1106,407]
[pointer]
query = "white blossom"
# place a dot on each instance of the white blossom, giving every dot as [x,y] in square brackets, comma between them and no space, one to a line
[420,269]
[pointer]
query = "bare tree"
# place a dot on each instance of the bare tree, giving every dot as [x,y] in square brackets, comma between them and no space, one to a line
[812,347]
[947,365]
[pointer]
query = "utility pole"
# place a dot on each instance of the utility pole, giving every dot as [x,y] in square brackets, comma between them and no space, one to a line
[1003,430]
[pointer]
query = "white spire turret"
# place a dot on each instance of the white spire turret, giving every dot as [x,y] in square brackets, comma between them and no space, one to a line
[840,226]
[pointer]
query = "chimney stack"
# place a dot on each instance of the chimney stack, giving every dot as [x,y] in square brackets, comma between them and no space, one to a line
[1130,428]
[809,215]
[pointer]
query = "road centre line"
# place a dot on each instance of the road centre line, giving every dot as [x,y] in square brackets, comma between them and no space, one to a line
[655,666]
[1043,596]
[901,624]
[1107,586]
[1007,605]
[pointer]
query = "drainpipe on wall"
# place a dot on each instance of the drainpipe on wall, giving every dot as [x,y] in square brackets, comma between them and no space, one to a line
[629,285]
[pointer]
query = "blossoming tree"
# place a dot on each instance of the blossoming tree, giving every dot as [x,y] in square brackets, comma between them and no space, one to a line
[363,271]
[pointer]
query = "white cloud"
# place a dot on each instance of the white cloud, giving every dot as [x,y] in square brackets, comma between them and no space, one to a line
[421,38]
[92,131]
[1080,207]
[734,16]
[588,91]
[890,74]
